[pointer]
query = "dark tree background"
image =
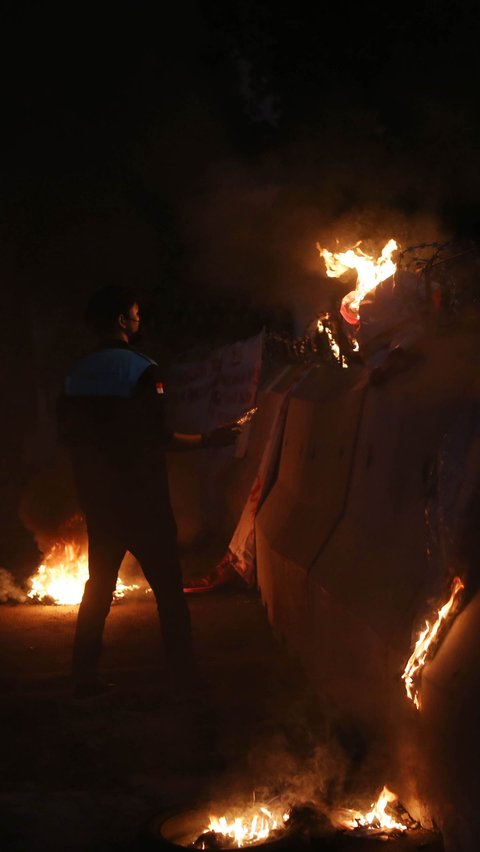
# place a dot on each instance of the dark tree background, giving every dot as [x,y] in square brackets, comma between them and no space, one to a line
[198,151]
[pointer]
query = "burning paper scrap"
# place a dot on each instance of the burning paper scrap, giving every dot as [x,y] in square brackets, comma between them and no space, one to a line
[426,643]
[371,271]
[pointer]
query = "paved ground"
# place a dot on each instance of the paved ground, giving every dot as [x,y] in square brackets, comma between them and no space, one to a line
[91,778]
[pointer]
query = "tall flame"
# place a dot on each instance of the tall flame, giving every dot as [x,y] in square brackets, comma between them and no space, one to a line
[378,813]
[424,643]
[62,576]
[376,818]
[370,272]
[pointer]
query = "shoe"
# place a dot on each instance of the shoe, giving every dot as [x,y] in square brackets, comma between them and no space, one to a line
[92,689]
[224,576]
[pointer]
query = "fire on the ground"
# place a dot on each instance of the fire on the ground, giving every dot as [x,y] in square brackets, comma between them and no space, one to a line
[61,577]
[261,824]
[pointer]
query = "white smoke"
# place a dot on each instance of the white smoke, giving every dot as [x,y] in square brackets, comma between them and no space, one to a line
[9,591]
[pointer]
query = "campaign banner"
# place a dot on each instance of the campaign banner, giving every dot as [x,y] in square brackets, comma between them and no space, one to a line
[216,390]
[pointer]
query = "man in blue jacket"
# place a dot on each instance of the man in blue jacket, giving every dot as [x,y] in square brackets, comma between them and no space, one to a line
[112,418]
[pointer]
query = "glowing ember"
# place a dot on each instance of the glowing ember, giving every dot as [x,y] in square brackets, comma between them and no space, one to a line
[247,417]
[376,819]
[62,577]
[244,830]
[425,642]
[370,272]
[322,328]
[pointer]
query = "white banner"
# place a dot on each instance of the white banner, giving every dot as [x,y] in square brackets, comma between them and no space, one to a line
[216,390]
[201,396]
[241,550]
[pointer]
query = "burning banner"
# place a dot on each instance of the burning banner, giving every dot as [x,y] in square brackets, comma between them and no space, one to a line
[370,272]
[384,314]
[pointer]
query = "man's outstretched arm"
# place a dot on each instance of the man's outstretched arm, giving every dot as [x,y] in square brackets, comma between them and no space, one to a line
[223,436]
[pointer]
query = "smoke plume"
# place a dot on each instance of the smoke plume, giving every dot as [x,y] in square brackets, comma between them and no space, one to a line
[9,591]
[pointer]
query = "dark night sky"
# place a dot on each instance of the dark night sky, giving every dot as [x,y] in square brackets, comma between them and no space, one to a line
[133,151]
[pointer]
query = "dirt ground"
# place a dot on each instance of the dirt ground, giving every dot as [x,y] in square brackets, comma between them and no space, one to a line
[77,776]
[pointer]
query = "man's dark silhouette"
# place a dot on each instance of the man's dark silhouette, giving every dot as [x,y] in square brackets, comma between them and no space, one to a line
[111,417]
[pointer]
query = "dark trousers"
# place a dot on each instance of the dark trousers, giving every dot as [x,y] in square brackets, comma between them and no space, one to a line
[148,531]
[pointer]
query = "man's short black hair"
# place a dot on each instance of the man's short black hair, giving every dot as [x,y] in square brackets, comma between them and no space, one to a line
[106,304]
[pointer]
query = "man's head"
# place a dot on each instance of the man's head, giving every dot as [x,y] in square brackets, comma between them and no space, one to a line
[113,312]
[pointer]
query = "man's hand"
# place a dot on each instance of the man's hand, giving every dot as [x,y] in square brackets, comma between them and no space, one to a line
[223,436]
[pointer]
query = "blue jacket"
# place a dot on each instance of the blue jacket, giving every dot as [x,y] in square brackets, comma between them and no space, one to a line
[111,371]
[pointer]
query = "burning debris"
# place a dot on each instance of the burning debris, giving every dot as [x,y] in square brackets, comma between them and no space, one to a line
[61,578]
[369,272]
[379,820]
[427,643]
[299,826]
[383,317]
[246,830]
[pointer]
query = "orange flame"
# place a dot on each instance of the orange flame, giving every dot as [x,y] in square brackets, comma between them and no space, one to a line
[370,272]
[377,818]
[424,643]
[332,343]
[246,830]
[63,574]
